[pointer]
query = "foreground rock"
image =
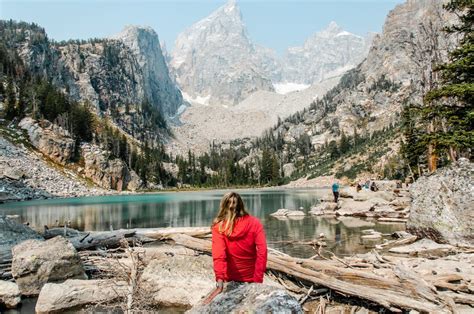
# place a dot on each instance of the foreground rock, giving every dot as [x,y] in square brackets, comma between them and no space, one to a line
[9,294]
[443,204]
[324,208]
[178,281]
[36,263]
[76,293]
[251,298]
[424,247]
[12,233]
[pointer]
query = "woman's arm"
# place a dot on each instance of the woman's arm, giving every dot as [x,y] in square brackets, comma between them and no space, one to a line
[261,260]
[219,254]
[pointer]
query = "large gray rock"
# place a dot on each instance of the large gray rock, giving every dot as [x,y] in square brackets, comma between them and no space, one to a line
[75,293]
[443,204]
[12,233]
[179,281]
[251,298]
[50,139]
[9,294]
[36,263]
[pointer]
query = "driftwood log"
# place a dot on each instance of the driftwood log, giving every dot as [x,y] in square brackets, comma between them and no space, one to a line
[111,239]
[90,240]
[405,291]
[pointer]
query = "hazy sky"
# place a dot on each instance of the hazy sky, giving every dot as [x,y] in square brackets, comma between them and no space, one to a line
[276,24]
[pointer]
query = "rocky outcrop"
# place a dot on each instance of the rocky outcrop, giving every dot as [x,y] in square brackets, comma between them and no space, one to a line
[50,139]
[9,294]
[443,203]
[108,173]
[75,293]
[251,298]
[179,281]
[24,175]
[283,212]
[36,263]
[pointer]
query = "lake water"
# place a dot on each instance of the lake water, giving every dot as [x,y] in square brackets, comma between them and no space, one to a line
[190,209]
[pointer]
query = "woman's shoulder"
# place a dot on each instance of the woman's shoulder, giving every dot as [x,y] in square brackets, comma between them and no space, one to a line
[254,220]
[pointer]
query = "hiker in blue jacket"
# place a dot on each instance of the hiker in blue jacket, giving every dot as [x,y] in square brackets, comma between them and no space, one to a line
[335,191]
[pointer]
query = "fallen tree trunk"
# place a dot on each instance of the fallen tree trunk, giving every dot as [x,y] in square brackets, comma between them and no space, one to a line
[166,233]
[391,294]
[106,239]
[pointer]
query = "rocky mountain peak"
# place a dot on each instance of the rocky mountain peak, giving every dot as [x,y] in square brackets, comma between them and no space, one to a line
[215,60]
[159,88]
[331,30]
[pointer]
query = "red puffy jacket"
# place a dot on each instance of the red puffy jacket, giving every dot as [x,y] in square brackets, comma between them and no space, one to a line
[242,256]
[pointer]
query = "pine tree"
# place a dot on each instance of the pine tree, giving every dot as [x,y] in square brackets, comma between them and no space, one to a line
[449,107]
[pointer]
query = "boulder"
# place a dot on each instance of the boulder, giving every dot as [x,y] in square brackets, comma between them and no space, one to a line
[73,293]
[251,298]
[12,233]
[323,208]
[178,281]
[289,169]
[348,207]
[442,206]
[50,139]
[36,263]
[9,294]
[283,212]
[424,247]
[401,201]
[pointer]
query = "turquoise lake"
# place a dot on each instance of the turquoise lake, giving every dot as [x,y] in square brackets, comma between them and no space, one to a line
[189,209]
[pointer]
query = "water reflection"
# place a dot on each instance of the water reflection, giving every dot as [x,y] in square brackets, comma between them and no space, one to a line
[198,209]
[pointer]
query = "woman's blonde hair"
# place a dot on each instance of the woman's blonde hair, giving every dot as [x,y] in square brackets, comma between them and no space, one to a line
[226,217]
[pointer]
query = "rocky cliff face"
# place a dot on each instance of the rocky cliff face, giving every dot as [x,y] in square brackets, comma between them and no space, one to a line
[50,139]
[111,74]
[158,86]
[215,59]
[328,53]
[58,145]
[106,172]
[443,204]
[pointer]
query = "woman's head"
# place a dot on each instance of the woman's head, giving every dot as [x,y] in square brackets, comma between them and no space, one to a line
[231,208]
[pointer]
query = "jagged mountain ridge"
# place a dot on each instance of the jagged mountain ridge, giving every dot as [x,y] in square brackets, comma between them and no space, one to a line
[370,97]
[216,62]
[328,53]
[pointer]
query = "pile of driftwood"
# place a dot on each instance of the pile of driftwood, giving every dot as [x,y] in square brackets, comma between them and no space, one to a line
[382,281]
[399,289]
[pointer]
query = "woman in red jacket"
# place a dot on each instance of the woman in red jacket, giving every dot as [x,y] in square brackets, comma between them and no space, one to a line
[239,248]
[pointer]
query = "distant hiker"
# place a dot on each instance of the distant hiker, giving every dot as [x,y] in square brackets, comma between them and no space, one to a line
[373,187]
[239,247]
[335,191]
[358,187]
